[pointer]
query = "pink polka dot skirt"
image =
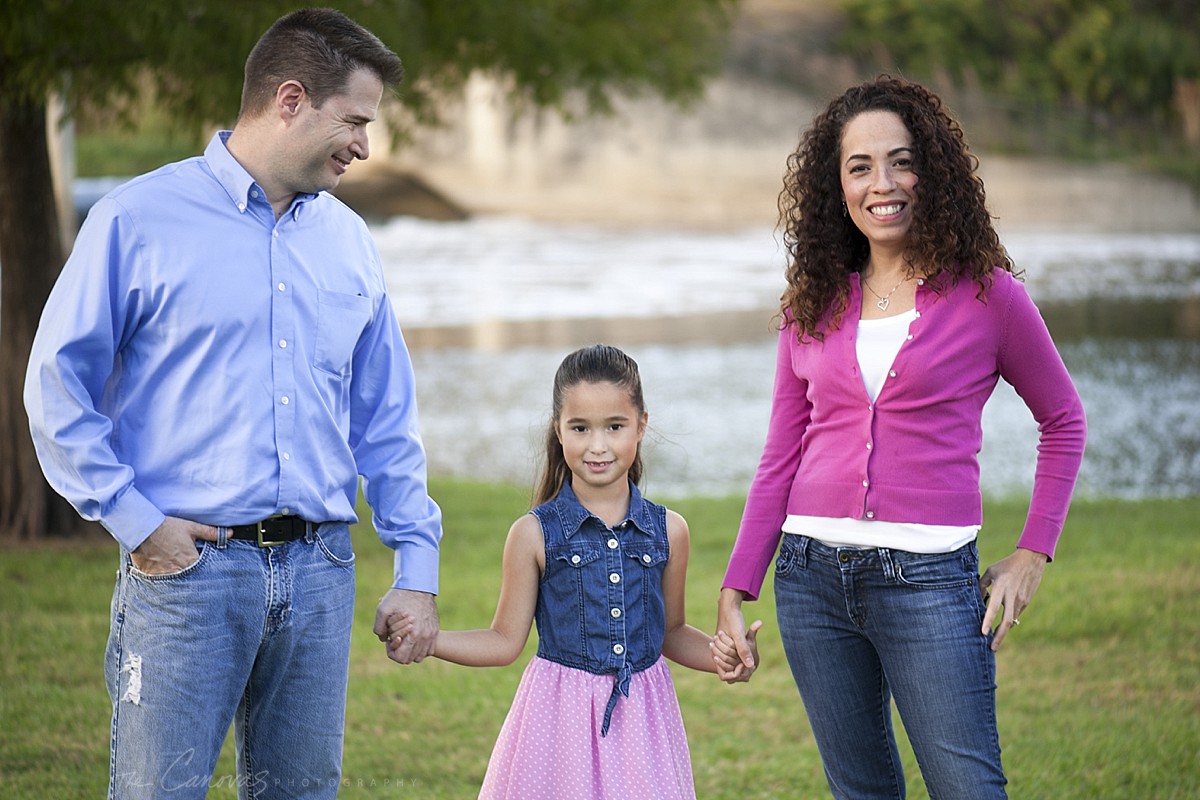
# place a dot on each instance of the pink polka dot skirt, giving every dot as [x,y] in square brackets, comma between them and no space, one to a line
[550,747]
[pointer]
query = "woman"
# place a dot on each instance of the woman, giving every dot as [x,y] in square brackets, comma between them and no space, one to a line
[900,314]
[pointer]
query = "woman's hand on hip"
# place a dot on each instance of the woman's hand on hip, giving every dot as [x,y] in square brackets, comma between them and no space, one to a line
[1008,587]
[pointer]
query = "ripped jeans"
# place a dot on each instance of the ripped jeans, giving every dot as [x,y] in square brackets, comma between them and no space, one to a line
[256,637]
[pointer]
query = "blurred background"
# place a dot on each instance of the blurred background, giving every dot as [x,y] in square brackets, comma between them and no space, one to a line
[557,173]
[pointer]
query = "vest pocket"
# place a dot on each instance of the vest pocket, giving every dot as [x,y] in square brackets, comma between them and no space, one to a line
[648,556]
[575,557]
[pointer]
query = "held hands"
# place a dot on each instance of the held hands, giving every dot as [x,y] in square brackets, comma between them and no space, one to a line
[1009,584]
[407,622]
[734,666]
[735,649]
[399,626]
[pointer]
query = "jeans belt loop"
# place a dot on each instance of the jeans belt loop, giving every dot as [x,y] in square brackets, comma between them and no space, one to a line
[889,565]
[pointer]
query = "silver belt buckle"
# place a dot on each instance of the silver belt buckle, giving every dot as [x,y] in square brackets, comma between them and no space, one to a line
[264,542]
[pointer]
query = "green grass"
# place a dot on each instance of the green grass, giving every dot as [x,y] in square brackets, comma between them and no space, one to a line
[1099,688]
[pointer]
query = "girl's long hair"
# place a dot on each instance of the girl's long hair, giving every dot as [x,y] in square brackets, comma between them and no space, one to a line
[951,231]
[599,363]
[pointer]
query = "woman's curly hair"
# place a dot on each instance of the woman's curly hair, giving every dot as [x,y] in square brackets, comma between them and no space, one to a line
[951,232]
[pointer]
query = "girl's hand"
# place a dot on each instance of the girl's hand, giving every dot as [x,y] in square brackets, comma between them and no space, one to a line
[731,666]
[399,625]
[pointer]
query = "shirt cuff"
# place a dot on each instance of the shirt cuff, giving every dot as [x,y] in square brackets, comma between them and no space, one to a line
[132,519]
[416,569]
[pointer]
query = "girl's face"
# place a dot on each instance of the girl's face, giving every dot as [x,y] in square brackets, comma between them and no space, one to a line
[878,182]
[600,430]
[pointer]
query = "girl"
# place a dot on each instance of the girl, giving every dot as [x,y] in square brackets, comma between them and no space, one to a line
[602,571]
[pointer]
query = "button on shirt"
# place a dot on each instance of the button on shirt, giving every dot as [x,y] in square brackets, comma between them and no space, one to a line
[200,359]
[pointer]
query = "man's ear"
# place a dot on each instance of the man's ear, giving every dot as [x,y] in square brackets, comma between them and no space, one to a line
[288,99]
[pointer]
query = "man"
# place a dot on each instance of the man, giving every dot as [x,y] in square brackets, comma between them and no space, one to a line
[217,364]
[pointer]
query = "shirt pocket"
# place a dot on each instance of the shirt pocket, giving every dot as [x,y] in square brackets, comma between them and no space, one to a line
[649,556]
[646,564]
[341,319]
[574,584]
[574,557]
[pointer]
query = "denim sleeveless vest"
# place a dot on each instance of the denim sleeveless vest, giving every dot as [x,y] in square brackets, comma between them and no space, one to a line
[600,603]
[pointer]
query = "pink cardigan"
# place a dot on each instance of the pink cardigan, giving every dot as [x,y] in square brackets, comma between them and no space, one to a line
[912,455]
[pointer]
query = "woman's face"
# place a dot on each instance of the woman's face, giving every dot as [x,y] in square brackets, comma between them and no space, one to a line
[878,182]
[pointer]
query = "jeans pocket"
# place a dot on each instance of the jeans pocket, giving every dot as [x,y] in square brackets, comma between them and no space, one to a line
[335,545]
[936,571]
[202,548]
[790,558]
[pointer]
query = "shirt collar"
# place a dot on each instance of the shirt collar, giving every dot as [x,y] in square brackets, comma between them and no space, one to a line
[573,514]
[233,177]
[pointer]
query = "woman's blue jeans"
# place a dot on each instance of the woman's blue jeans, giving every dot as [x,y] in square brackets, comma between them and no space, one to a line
[256,636]
[863,626]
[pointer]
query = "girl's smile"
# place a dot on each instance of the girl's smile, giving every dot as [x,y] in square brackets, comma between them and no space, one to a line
[599,429]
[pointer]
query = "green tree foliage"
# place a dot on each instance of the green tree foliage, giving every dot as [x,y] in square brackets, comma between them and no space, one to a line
[1130,58]
[570,55]
[193,50]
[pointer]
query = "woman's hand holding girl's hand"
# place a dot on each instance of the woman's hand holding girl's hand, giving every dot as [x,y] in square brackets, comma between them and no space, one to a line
[731,667]
[732,624]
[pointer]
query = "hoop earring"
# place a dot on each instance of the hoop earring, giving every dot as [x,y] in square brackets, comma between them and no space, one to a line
[845,211]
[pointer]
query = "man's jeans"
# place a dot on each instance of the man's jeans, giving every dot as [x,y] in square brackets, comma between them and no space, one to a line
[257,636]
[863,625]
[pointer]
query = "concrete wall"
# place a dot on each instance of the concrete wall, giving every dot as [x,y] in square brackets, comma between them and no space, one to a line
[720,164]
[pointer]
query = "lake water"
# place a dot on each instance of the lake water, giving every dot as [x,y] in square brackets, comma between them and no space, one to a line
[491,305]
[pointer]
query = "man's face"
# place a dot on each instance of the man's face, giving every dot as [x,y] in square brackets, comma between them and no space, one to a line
[323,141]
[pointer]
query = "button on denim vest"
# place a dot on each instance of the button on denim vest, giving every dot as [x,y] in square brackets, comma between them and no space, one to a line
[600,603]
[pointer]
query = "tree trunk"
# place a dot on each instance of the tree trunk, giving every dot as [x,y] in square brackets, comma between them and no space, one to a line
[1187,103]
[31,256]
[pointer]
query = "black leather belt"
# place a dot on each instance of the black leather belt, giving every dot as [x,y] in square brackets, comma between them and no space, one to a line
[272,530]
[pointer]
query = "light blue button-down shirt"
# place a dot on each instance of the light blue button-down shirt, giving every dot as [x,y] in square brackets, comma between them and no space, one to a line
[200,359]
